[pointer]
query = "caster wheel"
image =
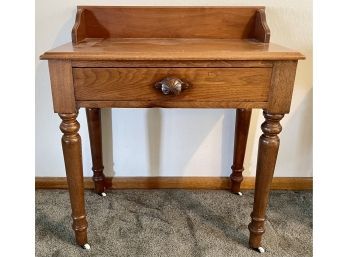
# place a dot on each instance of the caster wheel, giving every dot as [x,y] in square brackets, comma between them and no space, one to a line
[86,246]
[239,193]
[103,194]
[260,249]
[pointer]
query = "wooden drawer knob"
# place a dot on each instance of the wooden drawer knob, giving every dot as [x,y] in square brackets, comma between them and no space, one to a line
[171,86]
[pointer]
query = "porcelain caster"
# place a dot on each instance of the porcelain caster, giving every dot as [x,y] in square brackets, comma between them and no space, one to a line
[86,246]
[238,193]
[103,194]
[260,249]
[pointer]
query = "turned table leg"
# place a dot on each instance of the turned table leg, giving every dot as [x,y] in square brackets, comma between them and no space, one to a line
[240,141]
[267,156]
[95,139]
[71,143]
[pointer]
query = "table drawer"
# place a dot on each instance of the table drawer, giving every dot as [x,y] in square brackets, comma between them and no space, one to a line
[205,84]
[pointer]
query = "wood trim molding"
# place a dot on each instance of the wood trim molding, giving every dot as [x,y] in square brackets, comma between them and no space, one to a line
[222,183]
[261,30]
[79,29]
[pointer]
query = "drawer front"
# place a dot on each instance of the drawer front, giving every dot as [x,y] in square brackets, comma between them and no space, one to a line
[205,84]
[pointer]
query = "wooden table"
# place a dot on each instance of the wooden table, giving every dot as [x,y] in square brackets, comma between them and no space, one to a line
[171,57]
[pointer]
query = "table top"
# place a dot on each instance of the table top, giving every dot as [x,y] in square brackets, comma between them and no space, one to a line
[124,51]
[171,49]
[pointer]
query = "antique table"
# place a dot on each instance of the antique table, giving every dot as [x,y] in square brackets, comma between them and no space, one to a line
[171,57]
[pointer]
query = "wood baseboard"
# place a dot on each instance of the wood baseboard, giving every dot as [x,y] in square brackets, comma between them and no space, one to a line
[223,183]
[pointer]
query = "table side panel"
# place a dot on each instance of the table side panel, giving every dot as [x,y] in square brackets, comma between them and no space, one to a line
[282,85]
[206,84]
[62,86]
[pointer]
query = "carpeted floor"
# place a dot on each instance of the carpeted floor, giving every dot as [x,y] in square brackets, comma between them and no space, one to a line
[187,223]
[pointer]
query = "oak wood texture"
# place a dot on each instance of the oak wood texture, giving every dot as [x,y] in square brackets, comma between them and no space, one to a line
[71,144]
[240,141]
[95,138]
[170,104]
[283,78]
[118,54]
[165,49]
[165,22]
[62,86]
[219,183]
[205,84]
[172,64]
[261,30]
[79,31]
[267,157]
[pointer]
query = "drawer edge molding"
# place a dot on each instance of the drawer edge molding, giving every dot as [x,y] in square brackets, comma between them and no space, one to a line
[170,104]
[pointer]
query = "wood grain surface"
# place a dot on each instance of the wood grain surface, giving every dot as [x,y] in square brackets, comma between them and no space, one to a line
[190,49]
[223,53]
[261,30]
[62,86]
[266,161]
[206,84]
[172,64]
[282,85]
[164,22]
[71,144]
[241,132]
[93,116]
[170,104]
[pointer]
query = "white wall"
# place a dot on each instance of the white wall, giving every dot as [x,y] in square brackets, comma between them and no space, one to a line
[177,142]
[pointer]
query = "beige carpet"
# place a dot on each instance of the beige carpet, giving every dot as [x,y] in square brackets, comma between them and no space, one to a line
[192,223]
